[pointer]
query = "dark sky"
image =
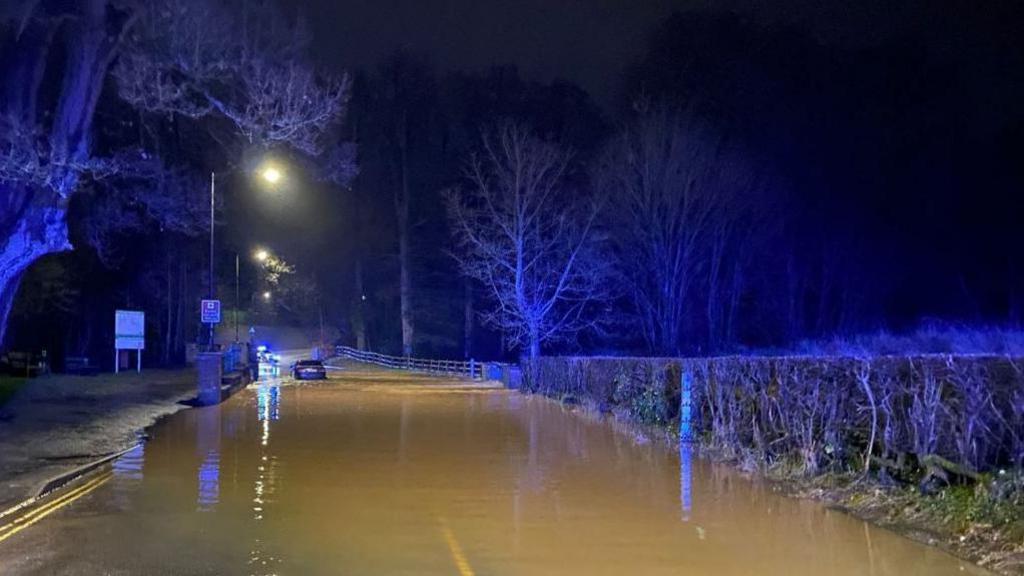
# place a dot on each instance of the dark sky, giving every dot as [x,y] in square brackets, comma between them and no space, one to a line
[586,41]
[590,41]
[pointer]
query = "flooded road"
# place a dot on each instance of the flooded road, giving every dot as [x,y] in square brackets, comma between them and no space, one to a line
[365,476]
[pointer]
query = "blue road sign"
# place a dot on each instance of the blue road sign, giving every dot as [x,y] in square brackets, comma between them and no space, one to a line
[209,312]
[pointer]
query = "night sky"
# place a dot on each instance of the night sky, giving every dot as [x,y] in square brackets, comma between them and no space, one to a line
[589,42]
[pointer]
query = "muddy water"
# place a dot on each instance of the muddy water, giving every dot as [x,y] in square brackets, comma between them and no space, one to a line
[346,479]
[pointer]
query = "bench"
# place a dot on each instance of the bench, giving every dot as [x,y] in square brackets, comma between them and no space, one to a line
[80,365]
[25,364]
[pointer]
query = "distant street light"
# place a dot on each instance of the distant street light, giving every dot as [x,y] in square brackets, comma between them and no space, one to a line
[262,255]
[266,295]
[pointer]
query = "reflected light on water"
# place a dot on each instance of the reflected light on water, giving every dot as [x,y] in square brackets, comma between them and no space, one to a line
[268,401]
[208,448]
[129,465]
[209,481]
[685,479]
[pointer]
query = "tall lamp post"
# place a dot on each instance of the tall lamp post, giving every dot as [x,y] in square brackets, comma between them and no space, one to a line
[271,174]
[213,203]
[238,300]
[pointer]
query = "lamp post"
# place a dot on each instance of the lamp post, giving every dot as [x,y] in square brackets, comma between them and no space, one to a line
[271,174]
[213,203]
[238,300]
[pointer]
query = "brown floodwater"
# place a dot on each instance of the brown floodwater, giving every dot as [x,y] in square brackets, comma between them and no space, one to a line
[363,478]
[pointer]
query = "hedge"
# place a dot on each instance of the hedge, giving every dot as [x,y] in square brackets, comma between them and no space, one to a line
[946,415]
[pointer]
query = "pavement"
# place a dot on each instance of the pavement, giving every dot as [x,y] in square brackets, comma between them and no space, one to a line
[58,423]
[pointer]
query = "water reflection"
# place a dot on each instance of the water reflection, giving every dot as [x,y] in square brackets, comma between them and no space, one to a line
[129,465]
[209,481]
[685,479]
[268,369]
[208,439]
[127,472]
[268,404]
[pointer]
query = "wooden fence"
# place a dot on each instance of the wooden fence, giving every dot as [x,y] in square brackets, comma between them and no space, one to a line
[469,369]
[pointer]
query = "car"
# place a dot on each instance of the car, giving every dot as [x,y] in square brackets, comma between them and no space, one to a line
[265,356]
[309,370]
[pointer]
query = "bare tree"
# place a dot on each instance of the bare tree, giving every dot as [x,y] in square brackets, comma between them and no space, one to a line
[527,238]
[680,192]
[199,58]
[288,290]
[195,58]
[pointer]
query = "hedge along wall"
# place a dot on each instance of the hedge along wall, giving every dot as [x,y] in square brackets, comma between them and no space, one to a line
[947,414]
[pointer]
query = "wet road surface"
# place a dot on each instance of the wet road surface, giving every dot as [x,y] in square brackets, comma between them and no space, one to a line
[369,474]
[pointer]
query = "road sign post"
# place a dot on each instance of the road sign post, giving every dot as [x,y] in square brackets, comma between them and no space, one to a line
[209,313]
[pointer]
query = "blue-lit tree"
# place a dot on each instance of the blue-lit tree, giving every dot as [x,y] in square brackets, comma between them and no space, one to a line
[197,59]
[529,238]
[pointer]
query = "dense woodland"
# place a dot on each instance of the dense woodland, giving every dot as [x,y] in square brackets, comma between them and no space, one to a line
[750,187]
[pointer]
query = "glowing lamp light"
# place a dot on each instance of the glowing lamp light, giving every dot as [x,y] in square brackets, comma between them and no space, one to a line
[271,174]
[266,295]
[262,255]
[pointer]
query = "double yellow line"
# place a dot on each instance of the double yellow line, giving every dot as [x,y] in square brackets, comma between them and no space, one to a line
[35,515]
[458,556]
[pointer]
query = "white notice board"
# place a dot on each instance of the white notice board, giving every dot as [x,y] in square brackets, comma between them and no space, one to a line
[129,330]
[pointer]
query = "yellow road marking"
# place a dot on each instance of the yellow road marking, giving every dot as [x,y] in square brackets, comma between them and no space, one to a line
[31,517]
[457,555]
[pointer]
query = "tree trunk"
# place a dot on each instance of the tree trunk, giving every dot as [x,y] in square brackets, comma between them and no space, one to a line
[734,302]
[405,292]
[713,308]
[532,371]
[38,232]
[534,347]
[467,332]
[169,309]
[402,205]
[33,219]
[8,289]
[359,312]
[179,313]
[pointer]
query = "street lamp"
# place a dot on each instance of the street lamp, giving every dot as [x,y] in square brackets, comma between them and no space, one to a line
[272,175]
[262,255]
[266,295]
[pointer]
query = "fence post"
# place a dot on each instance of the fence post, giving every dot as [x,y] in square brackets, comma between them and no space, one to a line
[472,369]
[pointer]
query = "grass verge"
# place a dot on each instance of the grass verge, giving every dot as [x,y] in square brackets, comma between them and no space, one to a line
[8,386]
